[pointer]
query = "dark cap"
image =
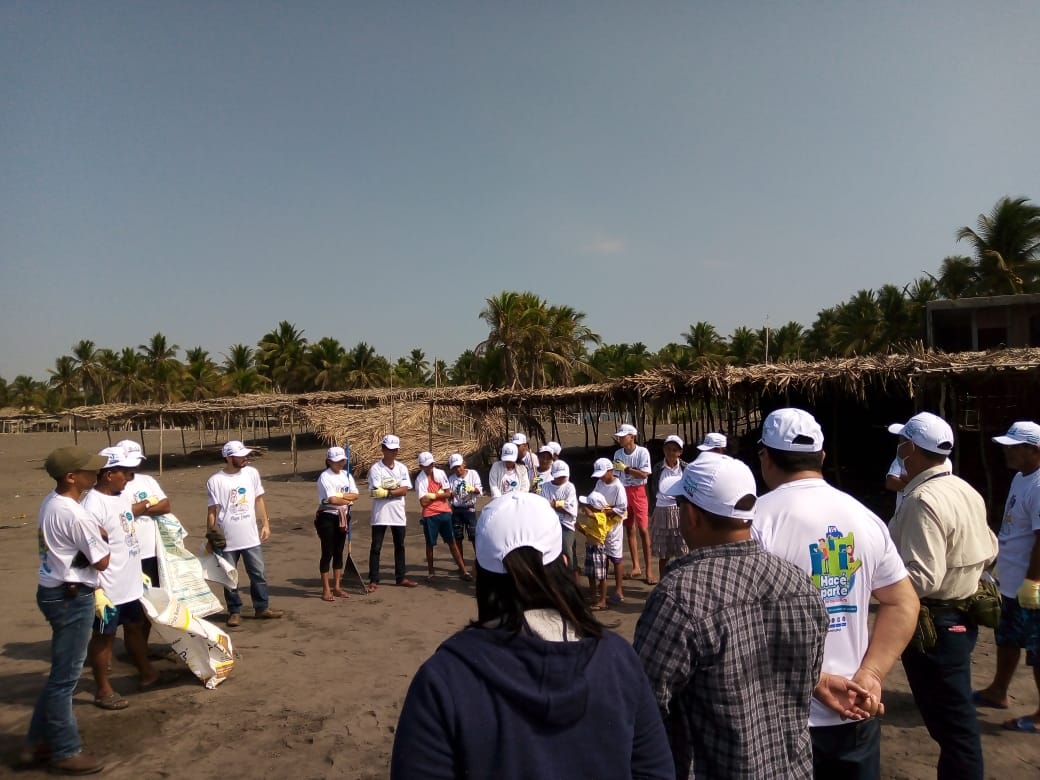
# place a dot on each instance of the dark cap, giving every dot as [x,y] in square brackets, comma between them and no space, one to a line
[68,459]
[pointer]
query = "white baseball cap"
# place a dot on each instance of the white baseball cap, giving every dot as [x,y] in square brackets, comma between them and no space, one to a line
[119,459]
[711,441]
[235,449]
[602,466]
[455,460]
[336,454]
[517,520]
[593,499]
[546,449]
[390,442]
[425,459]
[1022,432]
[792,430]
[132,448]
[626,430]
[928,431]
[716,483]
[555,446]
[509,452]
[673,439]
[560,469]
[518,438]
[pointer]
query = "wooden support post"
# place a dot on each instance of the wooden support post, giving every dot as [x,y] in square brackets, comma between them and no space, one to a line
[292,438]
[429,432]
[161,426]
[75,431]
[184,444]
[108,430]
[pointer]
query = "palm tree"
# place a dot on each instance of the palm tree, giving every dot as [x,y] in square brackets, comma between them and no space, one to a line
[958,277]
[163,368]
[899,324]
[5,392]
[859,324]
[282,358]
[200,378]
[787,341]
[439,373]
[466,369]
[27,393]
[705,344]
[129,382]
[614,361]
[367,368]
[329,364]
[418,367]
[1006,243]
[824,335]
[564,351]
[89,370]
[672,354]
[240,373]
[513,320]
[744,346]
[63,378]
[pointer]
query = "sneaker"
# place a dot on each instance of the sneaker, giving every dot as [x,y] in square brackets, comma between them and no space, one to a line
[79,764]
[234,620]
[269,614]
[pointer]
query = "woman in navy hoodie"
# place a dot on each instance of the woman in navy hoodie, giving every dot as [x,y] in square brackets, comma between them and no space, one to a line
[535,687]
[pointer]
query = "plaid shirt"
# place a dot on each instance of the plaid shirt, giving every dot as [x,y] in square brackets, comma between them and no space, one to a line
[732,641]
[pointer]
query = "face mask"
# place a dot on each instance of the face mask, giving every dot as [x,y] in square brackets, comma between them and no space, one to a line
[900,458]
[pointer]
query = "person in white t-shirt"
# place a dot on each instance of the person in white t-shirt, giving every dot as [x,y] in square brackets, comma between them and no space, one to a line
[337,492]
[563,497]
[666,538]
[524,456]
[542,476]
[1018,567]
[632,463]
[236,503]
[609,485]
[72,553]
[388,483]
[149,501]
[847,551]
[110,506]
[466,487]
[507,475]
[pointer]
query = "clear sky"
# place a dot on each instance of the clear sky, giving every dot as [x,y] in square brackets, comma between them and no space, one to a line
[374,170]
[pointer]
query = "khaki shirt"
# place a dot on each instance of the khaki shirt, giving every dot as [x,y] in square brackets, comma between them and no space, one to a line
[941,532]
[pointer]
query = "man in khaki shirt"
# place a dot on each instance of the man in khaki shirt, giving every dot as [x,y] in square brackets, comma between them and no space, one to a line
[941,533]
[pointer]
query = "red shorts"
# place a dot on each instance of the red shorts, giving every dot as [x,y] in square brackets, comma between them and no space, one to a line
[638,508]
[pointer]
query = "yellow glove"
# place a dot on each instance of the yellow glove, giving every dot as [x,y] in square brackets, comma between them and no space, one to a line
[559,504]
[104,609]
[620,465]
[431,496]
[1028,594]
[389,484]
[380,492]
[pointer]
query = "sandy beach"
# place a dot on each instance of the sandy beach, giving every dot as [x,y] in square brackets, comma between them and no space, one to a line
[317,694]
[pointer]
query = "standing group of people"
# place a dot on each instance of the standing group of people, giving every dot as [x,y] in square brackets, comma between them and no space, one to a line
[755,646]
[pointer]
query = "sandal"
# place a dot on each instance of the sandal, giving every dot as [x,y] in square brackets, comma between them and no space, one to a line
[614,598]
[340,593]
[465,576]
[111,702]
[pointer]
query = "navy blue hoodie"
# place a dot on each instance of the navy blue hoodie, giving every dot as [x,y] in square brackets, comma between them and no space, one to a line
[491,705]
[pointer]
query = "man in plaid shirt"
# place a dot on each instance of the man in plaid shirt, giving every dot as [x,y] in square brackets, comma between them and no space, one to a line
[732,637]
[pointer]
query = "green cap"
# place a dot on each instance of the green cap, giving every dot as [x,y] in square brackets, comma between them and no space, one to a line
[68,459]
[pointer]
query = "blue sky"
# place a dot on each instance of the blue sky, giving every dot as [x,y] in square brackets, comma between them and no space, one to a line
[374,170]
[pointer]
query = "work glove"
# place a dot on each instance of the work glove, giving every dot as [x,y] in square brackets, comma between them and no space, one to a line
[1028,594]
[390,484]
[216,539]
[104,609]
[380,492]
[620,465]
[431,496]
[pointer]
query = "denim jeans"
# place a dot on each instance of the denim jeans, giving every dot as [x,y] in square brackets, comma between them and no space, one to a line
[53,723]
[850,751]
[940,680]
[254,559]
[378,534]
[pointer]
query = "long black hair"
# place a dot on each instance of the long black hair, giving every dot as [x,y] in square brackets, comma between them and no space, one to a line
[528,584]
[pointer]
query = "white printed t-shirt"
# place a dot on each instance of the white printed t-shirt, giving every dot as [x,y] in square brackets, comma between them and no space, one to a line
[502,480]
[460,496]
[846,550]
[1018,531]
[639,459]
[235,497]
[143,487]
[569,495]
[121,581]
[389,511]
[65,529]
[668,477]
[615,495]
[331,484]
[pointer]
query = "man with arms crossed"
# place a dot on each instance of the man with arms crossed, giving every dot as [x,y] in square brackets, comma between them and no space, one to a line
[847,551]
[236,502]
[72,552]
[1018,566]
[943,538]
[632,463]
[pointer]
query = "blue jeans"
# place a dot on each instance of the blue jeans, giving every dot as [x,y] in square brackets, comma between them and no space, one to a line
[850,751]
[940,680]
[254,559]
[53,723]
